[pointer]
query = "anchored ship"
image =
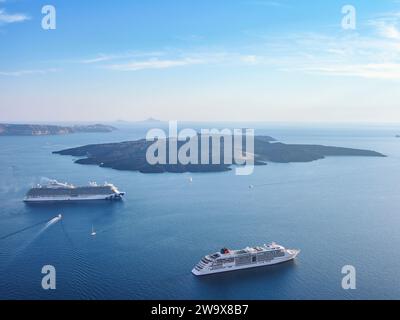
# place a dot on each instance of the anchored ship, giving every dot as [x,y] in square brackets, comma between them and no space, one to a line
[250,257]
[56,191]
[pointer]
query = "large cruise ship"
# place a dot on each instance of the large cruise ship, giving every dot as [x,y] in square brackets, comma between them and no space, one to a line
[231,260]
[56,191]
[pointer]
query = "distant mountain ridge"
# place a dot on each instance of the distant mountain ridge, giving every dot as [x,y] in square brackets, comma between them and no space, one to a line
[151,120]
[46,130]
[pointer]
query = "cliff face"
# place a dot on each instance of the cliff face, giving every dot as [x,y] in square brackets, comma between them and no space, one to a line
[44,130]
[131,155]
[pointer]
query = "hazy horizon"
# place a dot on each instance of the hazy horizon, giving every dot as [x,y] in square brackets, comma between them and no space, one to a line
[227,122]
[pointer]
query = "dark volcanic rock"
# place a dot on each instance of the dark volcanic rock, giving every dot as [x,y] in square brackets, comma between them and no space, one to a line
[131,155]
[286,153]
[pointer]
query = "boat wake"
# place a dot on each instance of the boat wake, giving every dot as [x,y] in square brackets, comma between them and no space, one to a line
[37,235]
[24,246]
[47,222]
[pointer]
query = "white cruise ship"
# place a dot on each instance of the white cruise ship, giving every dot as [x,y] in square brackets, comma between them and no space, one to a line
[56,191]
[231,260]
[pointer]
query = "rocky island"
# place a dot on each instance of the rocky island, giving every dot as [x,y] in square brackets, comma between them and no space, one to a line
[45,130]
[131,155]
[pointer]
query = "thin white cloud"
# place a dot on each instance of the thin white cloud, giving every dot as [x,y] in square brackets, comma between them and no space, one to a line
[387,25]
[386,71]
[102,57]
[99,58]
[183,59]
[250,59]
[387,29]
[12,18]
[374,54]
[344,54]
[153,64]
[371,54]
[19,73]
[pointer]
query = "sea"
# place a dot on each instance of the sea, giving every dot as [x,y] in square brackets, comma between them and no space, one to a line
[339,211]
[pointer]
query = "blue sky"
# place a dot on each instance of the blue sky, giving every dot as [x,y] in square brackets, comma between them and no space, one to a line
[278,60]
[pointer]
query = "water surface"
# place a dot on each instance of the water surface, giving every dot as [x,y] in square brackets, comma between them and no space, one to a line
[338,211]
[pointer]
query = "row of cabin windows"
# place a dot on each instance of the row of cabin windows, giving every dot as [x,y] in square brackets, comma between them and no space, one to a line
[250,258]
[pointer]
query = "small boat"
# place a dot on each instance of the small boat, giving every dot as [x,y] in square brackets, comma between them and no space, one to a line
[93,232]
[57,218]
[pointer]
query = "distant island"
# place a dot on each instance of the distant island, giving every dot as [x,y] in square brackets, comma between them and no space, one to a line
[46,130]
[131,155]
[151,120]
[148,120]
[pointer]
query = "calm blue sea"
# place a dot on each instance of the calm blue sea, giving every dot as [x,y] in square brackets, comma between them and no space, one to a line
[338,211]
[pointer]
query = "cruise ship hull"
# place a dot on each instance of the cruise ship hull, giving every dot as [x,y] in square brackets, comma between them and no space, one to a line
[55,191]
[290,255]
[111,197]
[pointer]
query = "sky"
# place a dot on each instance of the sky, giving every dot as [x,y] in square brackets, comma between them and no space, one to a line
[208,60]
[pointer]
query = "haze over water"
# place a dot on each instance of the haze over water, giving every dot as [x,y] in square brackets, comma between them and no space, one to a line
[338,211]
